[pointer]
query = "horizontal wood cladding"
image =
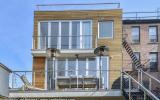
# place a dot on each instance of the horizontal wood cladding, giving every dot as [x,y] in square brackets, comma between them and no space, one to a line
[39,72]
[114,44]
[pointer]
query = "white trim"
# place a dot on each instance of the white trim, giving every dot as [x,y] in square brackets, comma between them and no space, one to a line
[49,34]
[46,73]
[97,74]
[66,67]
[87,66]
[112,30]
[108,72]
[76,67]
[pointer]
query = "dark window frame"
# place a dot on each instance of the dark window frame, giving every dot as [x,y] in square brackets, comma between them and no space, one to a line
[155,68]
[156,33]
[139,34]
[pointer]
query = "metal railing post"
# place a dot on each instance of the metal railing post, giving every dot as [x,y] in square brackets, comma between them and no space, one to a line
[129,88]
[121,81]
[141,79]
[145,96]
[138,78]
[150,84]
[12,80]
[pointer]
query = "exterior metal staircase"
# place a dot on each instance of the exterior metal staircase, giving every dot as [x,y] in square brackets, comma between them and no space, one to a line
[134,88]
[131,54]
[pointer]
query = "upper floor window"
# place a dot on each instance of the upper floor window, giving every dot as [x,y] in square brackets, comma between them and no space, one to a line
[153,34]
[72,34]
[153,61]
[137,54]
[106,29]
[135,34]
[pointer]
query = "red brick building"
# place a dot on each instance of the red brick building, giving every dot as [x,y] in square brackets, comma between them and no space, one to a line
[143,37]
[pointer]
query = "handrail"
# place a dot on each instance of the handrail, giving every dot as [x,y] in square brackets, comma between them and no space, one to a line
[151,76]
[142,15]
[145,89]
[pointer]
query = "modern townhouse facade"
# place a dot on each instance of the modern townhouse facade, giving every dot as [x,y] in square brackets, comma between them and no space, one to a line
[143,36]
[76,34]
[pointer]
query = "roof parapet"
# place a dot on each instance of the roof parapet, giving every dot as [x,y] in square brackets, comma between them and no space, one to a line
[82,6]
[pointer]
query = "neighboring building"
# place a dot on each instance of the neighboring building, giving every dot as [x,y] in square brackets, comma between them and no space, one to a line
[143,35]
[4,81]
[76,34]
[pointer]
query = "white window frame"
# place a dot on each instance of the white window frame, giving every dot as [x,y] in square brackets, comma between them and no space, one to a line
[112,30]
[70,32]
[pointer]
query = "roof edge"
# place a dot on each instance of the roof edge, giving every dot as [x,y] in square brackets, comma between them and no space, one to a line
[6,68]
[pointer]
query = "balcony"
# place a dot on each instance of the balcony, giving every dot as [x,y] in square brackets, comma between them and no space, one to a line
[30,82]
[83,44]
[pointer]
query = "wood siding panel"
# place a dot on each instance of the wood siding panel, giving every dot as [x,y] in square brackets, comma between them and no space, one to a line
[39,72]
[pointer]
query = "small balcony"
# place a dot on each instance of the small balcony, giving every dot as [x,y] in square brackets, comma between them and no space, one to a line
[65,44]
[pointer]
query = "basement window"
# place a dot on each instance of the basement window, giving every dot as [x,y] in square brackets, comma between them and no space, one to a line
[105,29]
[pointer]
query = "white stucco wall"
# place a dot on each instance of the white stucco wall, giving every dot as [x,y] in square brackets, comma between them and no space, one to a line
[4,82]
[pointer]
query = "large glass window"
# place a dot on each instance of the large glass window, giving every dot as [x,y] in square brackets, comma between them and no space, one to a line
[153,61]
[153,35]
[135,34]
[104,72]
[86,35]
[54,34]
[82,67]
[75,34]
[65,34]
[43,35]
[71,67]
[106,29]
[92,67]
[61,67]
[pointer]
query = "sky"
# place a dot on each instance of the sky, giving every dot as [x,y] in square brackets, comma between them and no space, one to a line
[16,26]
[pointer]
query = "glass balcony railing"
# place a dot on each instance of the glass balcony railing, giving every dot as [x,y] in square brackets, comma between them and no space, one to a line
[65,42]
[36,80]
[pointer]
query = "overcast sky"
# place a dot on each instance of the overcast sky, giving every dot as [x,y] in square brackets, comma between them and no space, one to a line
[16,26]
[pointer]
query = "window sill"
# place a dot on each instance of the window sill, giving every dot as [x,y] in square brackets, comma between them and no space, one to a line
[135,43]
[152,42]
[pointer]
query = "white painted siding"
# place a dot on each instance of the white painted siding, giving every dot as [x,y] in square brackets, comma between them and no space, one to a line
[4,82]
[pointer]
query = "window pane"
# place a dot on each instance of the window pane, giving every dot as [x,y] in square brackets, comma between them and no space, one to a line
[153,34]
[135,34]
[49,73]
[86,35]
[92,66]
[54,34]
[71,67]
[82,66]
[137,54]
[65,35]
[75,35]
[106,29]
[104,72]
[61,67]
[43,34]
[153,61]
